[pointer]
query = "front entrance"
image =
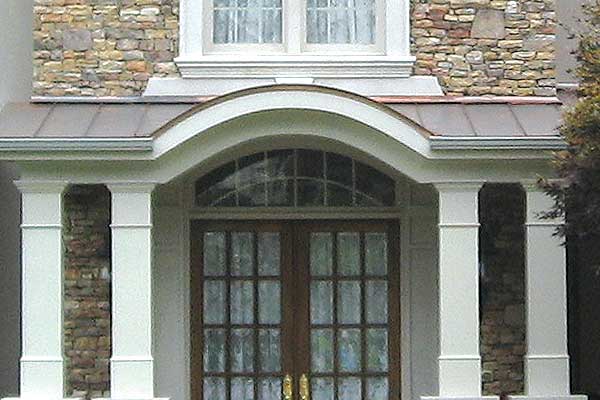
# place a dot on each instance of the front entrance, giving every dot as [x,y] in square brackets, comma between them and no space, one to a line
[302,310]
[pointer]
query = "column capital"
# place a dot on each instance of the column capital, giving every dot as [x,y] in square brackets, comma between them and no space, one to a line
[26,186]
[131,187]
[458,186]
[532,185]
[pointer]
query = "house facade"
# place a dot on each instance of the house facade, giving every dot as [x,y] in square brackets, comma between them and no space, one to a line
[262,199]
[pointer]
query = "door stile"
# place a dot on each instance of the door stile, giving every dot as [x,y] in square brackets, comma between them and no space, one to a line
[196,296]
[395,355]
[289,308]
[302,294]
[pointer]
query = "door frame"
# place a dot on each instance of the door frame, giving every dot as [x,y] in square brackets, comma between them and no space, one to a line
[297,223]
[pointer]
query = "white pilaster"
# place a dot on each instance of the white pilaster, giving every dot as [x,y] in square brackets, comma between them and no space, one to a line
[459,361]
[131,364]
[547,359]
[42,366]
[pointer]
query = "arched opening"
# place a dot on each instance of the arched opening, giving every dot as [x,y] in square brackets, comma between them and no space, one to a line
[295,178]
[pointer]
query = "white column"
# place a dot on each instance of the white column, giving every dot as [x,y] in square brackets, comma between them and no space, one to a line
[131,364]
[459,361]
[42,374]
[547,360]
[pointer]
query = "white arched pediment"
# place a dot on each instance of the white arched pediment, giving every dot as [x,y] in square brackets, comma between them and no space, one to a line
[308,98]
[280,115]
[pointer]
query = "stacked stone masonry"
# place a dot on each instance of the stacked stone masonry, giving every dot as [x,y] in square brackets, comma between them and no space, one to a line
[502,289]
[87,291]
[112,47]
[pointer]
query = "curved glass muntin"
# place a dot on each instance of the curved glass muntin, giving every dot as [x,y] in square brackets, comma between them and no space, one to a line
[295,178]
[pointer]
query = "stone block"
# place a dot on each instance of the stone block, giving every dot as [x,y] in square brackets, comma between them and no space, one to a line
[77,40]
[489,24]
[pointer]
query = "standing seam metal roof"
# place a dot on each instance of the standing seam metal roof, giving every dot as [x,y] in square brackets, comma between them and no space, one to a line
[443,117]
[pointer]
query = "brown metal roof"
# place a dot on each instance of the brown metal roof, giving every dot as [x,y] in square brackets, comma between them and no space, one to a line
[477,117]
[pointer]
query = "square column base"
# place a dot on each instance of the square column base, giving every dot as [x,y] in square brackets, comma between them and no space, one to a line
[459,398]
[131,398]
[571,397]
[41,398]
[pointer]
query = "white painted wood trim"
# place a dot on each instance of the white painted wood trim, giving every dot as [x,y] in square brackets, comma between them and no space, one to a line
[132,363]
[547,359]
[196,46]
[42,364]
[174,88]
[367,114]
[459,360]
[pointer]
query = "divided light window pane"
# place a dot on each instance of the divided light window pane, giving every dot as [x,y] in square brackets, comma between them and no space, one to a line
[295,178]
[247,21]
[340,22]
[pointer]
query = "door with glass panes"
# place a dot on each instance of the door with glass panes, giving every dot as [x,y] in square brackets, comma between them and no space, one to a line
[295,310]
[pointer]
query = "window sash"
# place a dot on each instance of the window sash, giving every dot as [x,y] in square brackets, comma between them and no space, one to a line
[294,35]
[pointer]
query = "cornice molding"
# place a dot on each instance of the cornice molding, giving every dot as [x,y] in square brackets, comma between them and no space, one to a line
[26,186]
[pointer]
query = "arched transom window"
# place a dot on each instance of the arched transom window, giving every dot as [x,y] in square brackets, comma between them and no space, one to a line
[295,178]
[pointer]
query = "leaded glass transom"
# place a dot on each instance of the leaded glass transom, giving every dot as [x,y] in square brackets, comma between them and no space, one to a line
[295,178]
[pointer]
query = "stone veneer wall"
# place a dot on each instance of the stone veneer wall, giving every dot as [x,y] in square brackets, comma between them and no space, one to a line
[87,291]
[502,289]
[480,47]
[112,47]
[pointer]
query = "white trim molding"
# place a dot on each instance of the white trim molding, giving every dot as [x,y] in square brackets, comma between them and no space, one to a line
[307,66]
[132,363]
[497,143]
[459,360]
[199,59]
[77,144]
[547,359]
[42,363]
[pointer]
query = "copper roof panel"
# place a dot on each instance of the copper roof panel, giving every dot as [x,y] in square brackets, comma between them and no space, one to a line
[408,110]
[72,121]
[22,119]
[493,120]
[446,119]
[538,120]
[118,120]
[159,115]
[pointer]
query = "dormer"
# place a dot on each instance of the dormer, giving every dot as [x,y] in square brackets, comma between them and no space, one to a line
[361,46]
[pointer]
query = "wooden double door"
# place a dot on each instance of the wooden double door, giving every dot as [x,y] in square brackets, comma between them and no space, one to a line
[295,310]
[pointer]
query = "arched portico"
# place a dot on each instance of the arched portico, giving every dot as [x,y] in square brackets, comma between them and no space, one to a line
[265,119]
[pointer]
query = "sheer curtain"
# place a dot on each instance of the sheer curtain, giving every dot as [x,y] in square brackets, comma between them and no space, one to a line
[340,21]
[247,21]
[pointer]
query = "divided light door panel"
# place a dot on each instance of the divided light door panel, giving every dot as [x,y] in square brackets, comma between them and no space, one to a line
[350,310]
[277,298]
[241,327]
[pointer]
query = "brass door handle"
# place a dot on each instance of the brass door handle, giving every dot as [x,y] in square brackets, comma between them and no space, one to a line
[288,387]
[304,388]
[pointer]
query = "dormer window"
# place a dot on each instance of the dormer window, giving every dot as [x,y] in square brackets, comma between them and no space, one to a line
[236,24]
[261,26]
[294,38]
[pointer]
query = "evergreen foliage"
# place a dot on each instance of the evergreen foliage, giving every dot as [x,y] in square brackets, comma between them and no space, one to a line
[576,193]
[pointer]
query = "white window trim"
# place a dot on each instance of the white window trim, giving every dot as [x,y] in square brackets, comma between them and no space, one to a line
[390,58]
